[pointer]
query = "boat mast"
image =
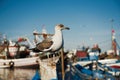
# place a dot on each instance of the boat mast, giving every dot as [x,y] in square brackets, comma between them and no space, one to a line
[113,40]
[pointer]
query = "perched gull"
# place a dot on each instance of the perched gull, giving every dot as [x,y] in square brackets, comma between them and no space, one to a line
[55,42]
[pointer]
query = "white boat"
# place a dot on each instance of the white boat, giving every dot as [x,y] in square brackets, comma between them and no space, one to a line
[105,61]
[10,57]
[13,55]
[114,65]
[30,62]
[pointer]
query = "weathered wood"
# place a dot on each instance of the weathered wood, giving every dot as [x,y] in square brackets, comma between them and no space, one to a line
[62,62]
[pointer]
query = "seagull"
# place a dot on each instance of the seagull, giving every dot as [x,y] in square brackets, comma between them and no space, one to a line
[54,43]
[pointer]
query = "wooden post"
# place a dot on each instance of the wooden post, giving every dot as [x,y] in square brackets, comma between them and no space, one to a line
[62,63]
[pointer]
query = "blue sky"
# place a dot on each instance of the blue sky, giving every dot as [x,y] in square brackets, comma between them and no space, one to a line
[89,20]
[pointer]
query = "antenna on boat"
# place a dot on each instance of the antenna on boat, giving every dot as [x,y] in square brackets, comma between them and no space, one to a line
[113,40]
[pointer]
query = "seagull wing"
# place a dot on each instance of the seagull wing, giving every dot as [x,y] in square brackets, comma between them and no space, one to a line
[45,44]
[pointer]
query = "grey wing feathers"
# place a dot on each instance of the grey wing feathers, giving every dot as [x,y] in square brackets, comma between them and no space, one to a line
[45,44]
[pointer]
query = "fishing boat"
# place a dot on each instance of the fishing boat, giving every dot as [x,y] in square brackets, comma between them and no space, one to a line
[114,65]
[110,58]
[104,64]
[31,62]
[23,60]
[13,55]
[91,72]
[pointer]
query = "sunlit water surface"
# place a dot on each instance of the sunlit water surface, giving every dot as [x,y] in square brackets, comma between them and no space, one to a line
[17,74]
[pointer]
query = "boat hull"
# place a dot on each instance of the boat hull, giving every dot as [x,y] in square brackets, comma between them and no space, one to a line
[109,62]
[114,65]
[20,63]
[105,61]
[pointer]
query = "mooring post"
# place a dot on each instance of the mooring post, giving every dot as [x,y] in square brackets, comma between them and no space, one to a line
[62,63]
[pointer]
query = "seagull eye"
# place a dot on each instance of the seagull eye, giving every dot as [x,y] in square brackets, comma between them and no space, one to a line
[61,25]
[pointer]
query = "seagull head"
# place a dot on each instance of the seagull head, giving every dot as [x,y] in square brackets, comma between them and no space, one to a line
[61,27]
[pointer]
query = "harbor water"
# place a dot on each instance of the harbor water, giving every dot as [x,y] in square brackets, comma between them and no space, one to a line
[29,74]
[17,74]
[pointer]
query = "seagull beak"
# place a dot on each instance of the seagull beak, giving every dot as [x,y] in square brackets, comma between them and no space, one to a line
[67,28]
